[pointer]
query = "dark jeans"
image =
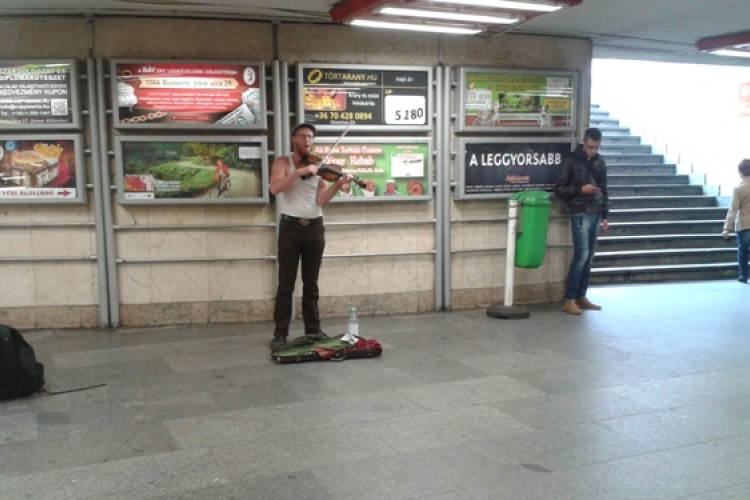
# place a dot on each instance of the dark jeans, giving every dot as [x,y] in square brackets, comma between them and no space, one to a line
[743,248]
[298,242]
[585,230]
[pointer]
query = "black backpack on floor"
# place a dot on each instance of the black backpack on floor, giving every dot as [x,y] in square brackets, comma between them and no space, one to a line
[20,373]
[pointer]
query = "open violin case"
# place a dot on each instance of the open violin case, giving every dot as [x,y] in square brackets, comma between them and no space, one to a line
[331,349]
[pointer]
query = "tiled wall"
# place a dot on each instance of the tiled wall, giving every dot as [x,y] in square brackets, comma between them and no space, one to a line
[65,293]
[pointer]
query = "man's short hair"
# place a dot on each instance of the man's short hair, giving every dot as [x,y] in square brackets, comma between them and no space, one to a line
[744,168]
[593,133]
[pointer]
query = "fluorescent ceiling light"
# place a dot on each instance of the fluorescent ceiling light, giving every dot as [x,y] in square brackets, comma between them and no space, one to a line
[730,53]
[431,28]
[449,16]
[503,4]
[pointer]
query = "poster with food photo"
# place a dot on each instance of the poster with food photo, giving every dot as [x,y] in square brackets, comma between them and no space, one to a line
[517,100]
[384,169]
[41,169]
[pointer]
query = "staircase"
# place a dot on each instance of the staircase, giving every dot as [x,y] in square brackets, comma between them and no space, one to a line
[661,227]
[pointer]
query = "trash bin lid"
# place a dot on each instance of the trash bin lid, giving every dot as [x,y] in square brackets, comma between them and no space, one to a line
[532,198]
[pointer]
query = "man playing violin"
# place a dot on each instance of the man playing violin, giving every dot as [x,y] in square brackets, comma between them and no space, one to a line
[300,197]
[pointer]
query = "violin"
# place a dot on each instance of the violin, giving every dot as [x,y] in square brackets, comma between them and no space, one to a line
[326,171]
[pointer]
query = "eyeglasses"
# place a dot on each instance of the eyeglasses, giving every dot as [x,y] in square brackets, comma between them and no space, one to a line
[304,136]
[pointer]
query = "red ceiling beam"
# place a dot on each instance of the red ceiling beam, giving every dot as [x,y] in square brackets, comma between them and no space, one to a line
[351,8]
[723,41]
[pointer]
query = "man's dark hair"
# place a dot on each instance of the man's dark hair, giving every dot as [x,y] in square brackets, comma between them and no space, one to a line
[593,133]
[744,168]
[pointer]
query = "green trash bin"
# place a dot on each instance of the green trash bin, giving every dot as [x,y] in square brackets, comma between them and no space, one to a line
[531,233]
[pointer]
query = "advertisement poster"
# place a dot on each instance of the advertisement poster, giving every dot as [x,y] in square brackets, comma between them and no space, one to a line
[38,95]
[517,100]
[378,98]
[189,94]
[384,170]
[497,167]
[41,169]
[184,170]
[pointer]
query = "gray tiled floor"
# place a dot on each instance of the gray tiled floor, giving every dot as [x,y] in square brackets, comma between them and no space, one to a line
[647,399]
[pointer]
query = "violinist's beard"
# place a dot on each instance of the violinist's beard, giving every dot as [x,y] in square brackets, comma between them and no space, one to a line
[304,150]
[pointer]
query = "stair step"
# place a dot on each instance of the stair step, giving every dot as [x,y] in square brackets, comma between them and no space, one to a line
[651,179]
[655,190]
[632,158]
[664,256]
[646,274]
[624,202]
[603,121]
[666,214]
[621,139]
[660,241]
[642,228]
[610,130]
[645,168]
[608,150]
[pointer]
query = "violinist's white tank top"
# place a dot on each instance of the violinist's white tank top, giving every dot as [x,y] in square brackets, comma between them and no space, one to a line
[299,200]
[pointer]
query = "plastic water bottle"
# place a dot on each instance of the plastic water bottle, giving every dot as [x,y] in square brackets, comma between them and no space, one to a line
[353,330]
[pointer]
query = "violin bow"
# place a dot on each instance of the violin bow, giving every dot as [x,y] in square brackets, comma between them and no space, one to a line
[336,143]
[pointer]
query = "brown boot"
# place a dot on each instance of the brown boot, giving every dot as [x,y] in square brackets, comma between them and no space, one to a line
[570,307]
[585,303]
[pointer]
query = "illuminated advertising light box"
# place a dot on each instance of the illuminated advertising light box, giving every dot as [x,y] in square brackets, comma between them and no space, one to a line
[385,168]
[192,170]
[378,98]
[39,95]
[517,101]
[42,169]
[189,94]
[497,168]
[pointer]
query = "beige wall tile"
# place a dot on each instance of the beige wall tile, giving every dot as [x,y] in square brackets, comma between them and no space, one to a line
[18,281]
[175,244]
[16,243]
[241,281]
[63,242]
[180,282]
[136,284]
[74,283]
[133,245]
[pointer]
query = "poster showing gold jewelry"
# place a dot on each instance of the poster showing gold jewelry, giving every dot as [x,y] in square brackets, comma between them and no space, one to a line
[516,100]
[41,169]
[392,98]
[189,94]
[198,170]
[39,95]
[384,169]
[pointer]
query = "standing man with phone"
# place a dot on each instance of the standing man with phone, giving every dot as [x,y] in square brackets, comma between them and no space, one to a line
[582,186]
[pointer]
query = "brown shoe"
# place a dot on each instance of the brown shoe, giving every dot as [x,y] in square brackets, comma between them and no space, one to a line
[570,307]
[585,303]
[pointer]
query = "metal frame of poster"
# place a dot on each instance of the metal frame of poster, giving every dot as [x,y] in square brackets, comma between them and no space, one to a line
[517,100]
[497,168]
[191,170]
[389,168]
[39,94]
[42,169]
[377,98]
[189,94]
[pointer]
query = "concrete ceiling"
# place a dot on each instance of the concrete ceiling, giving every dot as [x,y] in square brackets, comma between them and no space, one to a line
[640,29]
